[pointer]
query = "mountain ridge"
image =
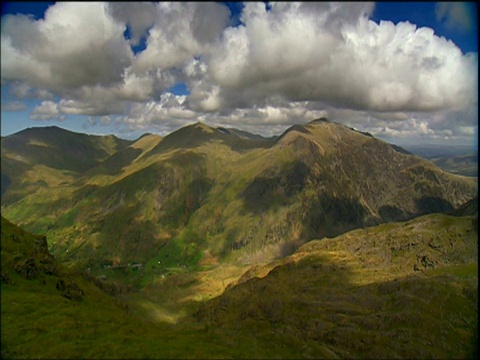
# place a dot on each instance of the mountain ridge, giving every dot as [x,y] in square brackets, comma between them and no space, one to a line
[168,223]
[200,191]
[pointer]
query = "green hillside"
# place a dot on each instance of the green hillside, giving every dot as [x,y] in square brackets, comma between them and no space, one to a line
[39,158]
[200,193]
[400,290]
[50,312]
[403,290]
[60,149]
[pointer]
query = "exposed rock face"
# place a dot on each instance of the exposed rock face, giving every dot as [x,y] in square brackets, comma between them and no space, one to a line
[41,261]
[28,253]
[30,268]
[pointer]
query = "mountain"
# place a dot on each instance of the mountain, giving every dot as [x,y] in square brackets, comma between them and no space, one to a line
[198,134]
[245,134]
[125,156]
[200,195]
[430,151]
[469,208]
[398,290]
[40,157]
[466,164]
[60,149]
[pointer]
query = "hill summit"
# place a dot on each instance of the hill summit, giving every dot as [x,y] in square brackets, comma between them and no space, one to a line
[202,194]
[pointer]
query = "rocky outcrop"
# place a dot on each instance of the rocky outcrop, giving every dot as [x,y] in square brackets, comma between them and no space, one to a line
[69,289]
[28,256]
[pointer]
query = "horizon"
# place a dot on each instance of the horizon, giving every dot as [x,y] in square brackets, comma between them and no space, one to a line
[424,150]
[404,72]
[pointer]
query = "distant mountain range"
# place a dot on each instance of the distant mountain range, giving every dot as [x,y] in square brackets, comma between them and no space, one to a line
[466,164]
[43,155]
[461,160]
[202,192]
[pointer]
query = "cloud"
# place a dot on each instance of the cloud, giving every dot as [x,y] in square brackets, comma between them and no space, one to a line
[355,64]
[139,16]
[458,16]
[47,110]
[404,129]
[77,44]
[267,120]
[164,115]
[181,31]
[283,65]
[51,54]
[13,106]
[102,120]
[442,127]
[23,91]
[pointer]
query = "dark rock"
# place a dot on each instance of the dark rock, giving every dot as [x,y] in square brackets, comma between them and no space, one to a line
[27,268]
[69,289]
[41,245]
[5,278]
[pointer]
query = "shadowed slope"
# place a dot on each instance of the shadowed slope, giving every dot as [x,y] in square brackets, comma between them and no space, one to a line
[49,312]
[60,149]
[201,193]
[41,157]
[406,290]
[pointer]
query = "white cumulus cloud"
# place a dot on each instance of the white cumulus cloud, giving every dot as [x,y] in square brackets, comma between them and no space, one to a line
[286,63]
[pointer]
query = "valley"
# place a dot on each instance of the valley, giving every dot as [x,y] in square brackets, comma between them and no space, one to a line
[323,242]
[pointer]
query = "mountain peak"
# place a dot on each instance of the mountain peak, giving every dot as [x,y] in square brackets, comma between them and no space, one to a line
[36,130]
[319,121]
[202,126]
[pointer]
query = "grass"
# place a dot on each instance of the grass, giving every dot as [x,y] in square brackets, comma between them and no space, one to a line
[93,328]
[38,322]
[252,202]
[352,296]
[340,297]
[98,327]
[190,217]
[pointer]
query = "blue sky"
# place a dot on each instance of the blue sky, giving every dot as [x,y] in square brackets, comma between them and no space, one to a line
[419,13]
[253,66]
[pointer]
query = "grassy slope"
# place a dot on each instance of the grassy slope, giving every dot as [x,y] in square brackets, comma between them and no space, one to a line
[39,158]
[401,290]
[201,193]
[61,149]
[357,295]
[38,322]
